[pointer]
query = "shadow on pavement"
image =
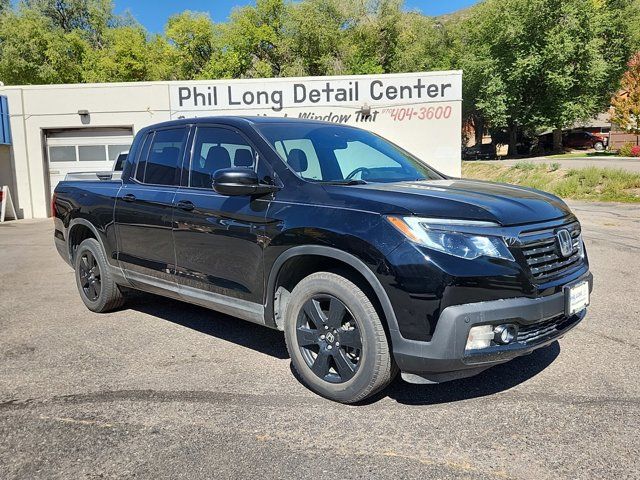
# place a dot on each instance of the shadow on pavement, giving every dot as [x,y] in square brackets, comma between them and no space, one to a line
[231,329]
[271,342]
[494,380]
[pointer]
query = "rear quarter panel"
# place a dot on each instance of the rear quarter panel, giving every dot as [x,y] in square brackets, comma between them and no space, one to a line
[93,202]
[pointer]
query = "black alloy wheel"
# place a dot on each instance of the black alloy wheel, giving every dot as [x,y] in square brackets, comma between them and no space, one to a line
[90,278]
[336,339]
[329,338]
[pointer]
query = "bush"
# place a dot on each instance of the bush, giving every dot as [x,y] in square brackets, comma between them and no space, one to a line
[590,183]
[635,151]
[625,150]
[525,166]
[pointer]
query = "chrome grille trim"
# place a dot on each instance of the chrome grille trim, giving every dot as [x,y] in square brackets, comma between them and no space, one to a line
[540,253]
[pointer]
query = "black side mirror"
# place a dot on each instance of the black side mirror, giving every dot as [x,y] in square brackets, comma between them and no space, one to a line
[239,181]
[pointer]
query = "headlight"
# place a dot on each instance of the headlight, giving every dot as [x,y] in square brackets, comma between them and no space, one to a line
[440,235]
[581,246]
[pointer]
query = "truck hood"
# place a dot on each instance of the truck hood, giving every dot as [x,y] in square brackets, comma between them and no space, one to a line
[463,199]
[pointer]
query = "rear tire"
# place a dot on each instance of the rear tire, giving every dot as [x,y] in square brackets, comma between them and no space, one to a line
[336,340]
[98,290]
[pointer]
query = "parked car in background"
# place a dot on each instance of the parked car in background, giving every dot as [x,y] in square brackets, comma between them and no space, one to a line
[570,140]
[485,151]
[370,261]
[583,140]
[114,174]
[118,165]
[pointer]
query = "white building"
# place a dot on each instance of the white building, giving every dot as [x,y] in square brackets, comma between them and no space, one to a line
[57,129]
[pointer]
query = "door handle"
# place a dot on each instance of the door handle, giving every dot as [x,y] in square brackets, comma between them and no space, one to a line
[185,205]
[129,197]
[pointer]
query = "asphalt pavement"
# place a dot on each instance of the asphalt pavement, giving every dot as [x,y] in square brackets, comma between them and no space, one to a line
[162,389]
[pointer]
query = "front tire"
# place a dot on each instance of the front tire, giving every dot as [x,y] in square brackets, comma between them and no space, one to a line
[336,340]
[599,146]
[95,283]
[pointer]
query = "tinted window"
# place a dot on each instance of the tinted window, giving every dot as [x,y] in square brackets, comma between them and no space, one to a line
[360,157]
[142,157]
[312,170]
[336,154]
[215,149]
[163,159]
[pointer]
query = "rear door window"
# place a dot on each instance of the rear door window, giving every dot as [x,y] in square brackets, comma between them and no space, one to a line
[160,162]
[142,158]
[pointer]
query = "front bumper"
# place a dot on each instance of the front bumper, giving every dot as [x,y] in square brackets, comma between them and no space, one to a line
[542,321]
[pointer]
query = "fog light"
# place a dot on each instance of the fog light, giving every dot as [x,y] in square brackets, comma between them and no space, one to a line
[480,337]
[505,334]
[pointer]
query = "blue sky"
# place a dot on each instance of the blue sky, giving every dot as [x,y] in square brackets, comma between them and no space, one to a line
[154,13]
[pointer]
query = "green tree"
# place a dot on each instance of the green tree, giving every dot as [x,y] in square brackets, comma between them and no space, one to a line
[531,64]
[162,59]
[371,35]
[92,17]
[423,44]
[33,51]
[192,35]
[253,43]
[316,29]
[125,57]
[585,53]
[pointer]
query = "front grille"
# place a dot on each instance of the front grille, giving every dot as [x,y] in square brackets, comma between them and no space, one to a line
[541,252]
[530,334]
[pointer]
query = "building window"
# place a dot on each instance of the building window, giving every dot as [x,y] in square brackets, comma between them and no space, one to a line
[92,153]
[115,150]
[62,154]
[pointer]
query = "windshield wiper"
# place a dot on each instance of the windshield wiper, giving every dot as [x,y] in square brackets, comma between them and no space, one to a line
[345,182]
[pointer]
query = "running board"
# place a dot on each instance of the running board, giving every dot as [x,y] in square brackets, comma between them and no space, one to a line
[243,309]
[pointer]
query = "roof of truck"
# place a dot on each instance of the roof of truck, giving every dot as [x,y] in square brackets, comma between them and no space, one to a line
[238,120]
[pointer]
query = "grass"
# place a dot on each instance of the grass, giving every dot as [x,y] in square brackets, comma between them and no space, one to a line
[581,155]
[589,183]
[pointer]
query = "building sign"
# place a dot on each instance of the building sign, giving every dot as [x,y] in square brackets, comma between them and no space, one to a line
[277,95]
[5,126]
[422,112]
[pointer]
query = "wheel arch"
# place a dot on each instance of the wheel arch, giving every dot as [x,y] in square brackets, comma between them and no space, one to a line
[333,255]
[79,230]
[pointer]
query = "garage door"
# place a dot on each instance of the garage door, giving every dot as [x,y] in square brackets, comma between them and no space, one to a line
[83,150]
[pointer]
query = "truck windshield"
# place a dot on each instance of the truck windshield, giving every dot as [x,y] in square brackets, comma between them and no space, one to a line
[339,154]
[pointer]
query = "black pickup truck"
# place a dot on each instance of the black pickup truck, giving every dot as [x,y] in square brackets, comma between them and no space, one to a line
[370,261]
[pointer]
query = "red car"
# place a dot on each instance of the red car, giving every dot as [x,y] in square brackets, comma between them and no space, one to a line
[582,140]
